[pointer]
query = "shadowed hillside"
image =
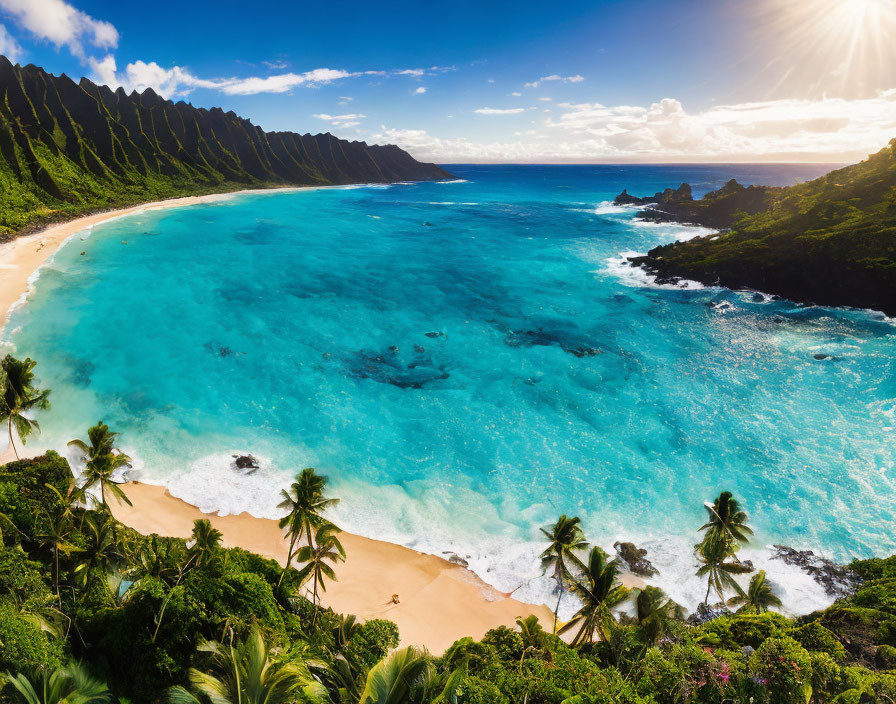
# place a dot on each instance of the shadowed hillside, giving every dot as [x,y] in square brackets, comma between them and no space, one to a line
[831,241]
[67,148]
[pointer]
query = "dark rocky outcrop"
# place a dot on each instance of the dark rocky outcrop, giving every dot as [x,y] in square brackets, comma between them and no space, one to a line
[68,148]
[635,559]
[831,241]
[246,462]
[838,580]
[717,209]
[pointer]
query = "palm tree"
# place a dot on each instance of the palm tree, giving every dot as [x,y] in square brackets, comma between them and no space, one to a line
[20,396]
[758,598]
[101,461]
[566,538]
[599,591]
[101,551]
[326,547]
[54,536]
[305,502]
[712,553]
[531,631]
[67,685]
[408,675]
[248,674]
[655,611]
[206,541]
[727,518]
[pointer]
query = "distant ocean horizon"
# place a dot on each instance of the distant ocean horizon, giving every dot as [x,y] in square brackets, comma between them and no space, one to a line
[468,359]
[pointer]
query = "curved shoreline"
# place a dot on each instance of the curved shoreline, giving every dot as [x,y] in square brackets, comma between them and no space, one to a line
[439,601]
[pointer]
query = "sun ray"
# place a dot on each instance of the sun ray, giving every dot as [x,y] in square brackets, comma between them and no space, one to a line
[826,47]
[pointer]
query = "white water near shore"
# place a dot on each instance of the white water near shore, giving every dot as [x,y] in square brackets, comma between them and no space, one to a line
[463,419]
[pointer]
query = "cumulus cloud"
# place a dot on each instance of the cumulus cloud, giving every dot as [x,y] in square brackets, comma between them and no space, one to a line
[554,77]
[420,90]
[516,94]
[9,47]
[499,111]
[61,24]
[827,129]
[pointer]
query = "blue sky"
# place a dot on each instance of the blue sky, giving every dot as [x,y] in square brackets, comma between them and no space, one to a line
[501,81]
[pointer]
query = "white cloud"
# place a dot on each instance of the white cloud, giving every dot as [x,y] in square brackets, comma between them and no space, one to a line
[9,47]
[62,25]
[420,90]
[349,120]
[178,81]
[545,99]
[499,111]
[516,94]
[554,77]
[827,129]
[335,118]
[280,83]
[276,65]
[410,72]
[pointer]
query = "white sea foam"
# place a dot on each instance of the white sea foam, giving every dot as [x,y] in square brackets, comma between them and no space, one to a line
[456,180]
[607,207]
[419,517]
[680,231]
[638,277]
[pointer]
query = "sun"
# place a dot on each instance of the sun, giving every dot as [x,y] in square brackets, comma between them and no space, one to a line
[840,47]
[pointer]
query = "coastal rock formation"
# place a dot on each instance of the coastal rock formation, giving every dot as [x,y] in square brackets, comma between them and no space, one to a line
[831,241]
[838,580]
[635,559]
[246,462]
[67,148]
[717,209]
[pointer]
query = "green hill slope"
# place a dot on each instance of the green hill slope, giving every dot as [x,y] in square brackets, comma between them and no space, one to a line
[67,148]
[831,241]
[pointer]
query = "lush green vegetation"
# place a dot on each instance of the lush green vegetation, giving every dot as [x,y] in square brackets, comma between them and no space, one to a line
[92,611]
[830,241]
[67,149]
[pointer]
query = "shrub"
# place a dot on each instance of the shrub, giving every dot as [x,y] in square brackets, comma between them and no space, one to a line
[736,631]
[785,667]
[22,643]
[814,636]
[507,642]
[373,640]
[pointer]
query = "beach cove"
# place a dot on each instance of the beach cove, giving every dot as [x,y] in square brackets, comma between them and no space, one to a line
[439,601]
[459,399]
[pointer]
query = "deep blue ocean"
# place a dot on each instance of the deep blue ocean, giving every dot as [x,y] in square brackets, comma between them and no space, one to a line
[466,360]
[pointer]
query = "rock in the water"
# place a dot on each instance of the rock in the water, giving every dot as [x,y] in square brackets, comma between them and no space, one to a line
[434,334]
[246,462]
[455,559]
[635,559]
[419,349]
[838,580]
[821,356]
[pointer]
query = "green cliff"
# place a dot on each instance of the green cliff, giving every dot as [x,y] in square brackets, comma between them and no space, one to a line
[831,241]
[68,148]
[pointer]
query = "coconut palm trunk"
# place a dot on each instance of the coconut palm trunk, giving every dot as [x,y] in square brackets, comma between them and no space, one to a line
[11,443]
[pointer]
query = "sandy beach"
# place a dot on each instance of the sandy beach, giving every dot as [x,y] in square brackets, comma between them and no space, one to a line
[439,601]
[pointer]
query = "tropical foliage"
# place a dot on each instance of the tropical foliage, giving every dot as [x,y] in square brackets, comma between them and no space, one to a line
[93,612]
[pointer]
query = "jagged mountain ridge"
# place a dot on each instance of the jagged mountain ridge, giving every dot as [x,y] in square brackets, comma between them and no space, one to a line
[67,148]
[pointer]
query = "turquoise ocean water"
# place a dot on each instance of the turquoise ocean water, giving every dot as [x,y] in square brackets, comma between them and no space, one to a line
[466,360]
